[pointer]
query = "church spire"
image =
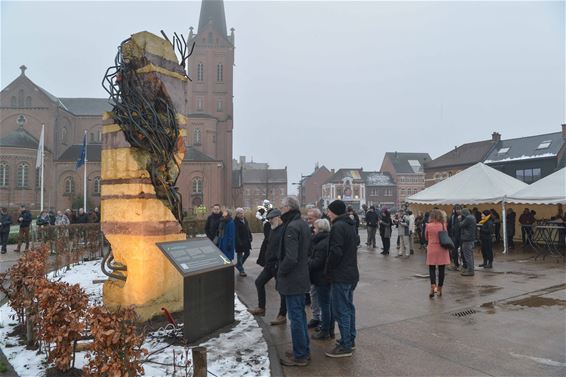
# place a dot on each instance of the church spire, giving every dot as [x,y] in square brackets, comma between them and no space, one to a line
[212,11]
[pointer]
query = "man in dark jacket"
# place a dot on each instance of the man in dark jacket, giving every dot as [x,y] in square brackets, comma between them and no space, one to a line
[467,227]
[342,269]
[212,222]
[510,218]
[454,232]
[293,278]
[371,222]
[243,240]
[269,271]
[5,222]
[24,219]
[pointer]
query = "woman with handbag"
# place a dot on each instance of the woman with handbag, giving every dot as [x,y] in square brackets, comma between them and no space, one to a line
[437,254]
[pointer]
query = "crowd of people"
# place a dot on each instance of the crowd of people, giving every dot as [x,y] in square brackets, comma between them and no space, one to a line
[313,260]
[45,219]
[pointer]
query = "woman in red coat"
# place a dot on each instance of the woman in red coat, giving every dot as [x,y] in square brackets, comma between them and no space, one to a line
[436,255]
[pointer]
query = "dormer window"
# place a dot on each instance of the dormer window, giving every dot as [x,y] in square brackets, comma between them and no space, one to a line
[503,150]
[545,144]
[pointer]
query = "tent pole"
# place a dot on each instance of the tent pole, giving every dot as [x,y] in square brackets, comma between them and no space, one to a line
[504,220]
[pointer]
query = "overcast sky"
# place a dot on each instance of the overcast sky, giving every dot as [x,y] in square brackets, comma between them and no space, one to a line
[336,82]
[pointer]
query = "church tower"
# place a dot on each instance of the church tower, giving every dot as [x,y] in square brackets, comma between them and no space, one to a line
[210,68]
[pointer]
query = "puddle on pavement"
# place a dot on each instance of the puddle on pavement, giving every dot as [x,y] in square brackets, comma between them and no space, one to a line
[489,306]
[526,274]
[537,302]
[488,289]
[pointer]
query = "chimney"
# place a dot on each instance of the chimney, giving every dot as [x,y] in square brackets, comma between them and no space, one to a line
[242,160]
[564,131]
[332,171]
[496,136]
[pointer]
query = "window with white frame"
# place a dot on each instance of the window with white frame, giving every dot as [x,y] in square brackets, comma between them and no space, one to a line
[22,178]
[219,105]
[200,104]
[69,185]
[200,72]
[197,185]
[197,136]
[4,170]
[97,182]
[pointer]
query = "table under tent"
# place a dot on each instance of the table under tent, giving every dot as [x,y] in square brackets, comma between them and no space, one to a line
[545,196]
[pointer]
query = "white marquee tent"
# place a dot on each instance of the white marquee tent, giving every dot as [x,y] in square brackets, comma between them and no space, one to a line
[478,184]
[549,190]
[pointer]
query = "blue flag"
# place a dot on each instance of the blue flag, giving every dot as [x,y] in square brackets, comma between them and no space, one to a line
[82,158]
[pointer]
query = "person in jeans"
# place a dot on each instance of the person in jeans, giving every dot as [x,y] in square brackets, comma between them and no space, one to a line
[467,239]
[372,220]
[227,235]
[342,270]
[317,261]
[243,240]
[270,268]
[293,279]
[313,214]
[24,219]
[5,222]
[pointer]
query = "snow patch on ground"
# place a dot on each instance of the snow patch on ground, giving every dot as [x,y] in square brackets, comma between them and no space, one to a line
[241,351]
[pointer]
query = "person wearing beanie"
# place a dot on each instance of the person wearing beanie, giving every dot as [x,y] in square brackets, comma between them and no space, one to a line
[486,233]
[342,271]
[337,207]
[293,278]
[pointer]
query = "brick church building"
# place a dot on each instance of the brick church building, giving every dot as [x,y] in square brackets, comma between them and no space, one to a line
[206,173]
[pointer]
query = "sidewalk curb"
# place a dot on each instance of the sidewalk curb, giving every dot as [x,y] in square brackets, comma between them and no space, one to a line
[274,364]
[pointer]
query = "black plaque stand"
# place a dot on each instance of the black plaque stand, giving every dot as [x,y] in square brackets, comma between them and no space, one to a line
[208,285]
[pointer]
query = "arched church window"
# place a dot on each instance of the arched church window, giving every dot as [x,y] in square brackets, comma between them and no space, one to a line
[69,185]
[197,185]
[22,179]
[4,170]
[197,136]
[14,102]
[21,98]
[28,101]
[97,185]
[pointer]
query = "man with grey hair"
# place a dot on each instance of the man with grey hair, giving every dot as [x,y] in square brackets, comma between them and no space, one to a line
[293,279]
[313,214]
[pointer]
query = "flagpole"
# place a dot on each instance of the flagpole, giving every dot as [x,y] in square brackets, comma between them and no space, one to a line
[84,181]
[42,163]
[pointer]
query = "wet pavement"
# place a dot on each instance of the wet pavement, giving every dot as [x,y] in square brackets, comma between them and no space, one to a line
[507,321]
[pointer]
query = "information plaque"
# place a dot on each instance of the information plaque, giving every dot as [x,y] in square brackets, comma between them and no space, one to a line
[194,256]
[208,285]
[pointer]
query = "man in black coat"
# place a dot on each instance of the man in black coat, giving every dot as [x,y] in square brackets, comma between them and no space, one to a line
[293,278]
[342,269]
[24,219]
[372,220]
[5,222]
[454,232]
[243,240]
[270,258]
[212,222]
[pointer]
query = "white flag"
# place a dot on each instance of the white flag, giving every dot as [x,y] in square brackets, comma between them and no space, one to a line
[39,160]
